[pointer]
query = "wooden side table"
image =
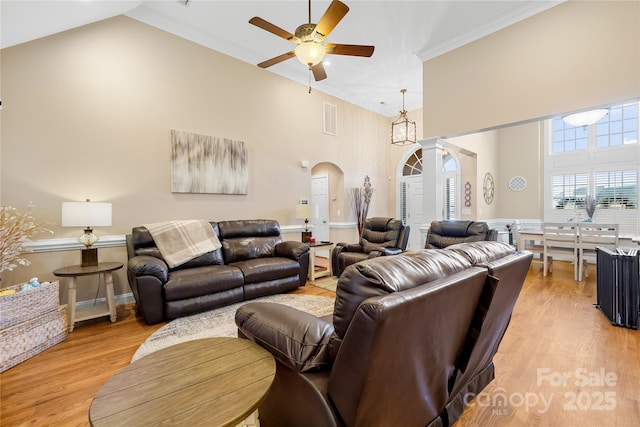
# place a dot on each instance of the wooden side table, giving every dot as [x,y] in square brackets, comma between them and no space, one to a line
[104,270]
[313,248]
[207,382]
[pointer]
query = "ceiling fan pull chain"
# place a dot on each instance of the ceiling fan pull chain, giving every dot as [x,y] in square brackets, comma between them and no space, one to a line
[309,79]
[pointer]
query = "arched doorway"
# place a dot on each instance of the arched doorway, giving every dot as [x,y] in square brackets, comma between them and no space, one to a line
[410,202]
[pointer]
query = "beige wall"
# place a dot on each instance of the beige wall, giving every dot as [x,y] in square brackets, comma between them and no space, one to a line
[485,145]
[520,154]
[87,114]
[507,152]
[576,55]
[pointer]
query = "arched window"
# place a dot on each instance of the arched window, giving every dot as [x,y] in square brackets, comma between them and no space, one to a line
[413,165]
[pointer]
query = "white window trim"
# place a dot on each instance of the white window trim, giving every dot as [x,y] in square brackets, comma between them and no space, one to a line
[593,160]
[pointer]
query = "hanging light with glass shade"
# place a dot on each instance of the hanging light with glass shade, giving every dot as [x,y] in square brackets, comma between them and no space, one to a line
[403,130]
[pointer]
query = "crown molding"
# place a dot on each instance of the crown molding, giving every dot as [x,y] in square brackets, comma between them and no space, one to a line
[516,15]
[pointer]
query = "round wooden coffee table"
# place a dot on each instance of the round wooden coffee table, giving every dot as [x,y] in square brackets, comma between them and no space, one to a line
[212,382]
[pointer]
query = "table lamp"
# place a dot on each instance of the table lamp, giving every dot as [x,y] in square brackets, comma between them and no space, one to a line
[87,214]
[305,211]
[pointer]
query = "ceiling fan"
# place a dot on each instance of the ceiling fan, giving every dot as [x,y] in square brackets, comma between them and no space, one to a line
[309,37]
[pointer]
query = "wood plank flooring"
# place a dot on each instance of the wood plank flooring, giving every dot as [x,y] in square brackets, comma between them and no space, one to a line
[561,363]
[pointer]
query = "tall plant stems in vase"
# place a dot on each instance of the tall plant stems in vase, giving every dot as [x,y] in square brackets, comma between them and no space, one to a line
[590,206]
[360,200]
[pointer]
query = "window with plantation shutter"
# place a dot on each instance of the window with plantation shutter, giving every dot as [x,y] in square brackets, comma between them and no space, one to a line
[449,198]
[569,191]
[616,189]
[403,202]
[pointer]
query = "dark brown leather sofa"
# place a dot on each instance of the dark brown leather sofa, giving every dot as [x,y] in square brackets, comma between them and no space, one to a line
[253,261]
[449,232]
[410,342]
[380,236]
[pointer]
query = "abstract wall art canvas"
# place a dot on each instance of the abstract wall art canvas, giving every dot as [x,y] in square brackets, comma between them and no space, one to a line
[208,164]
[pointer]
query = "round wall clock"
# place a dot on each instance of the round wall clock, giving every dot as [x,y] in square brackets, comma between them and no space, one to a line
[488,188]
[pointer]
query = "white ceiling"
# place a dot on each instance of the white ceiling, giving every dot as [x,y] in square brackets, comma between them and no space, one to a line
[404,33]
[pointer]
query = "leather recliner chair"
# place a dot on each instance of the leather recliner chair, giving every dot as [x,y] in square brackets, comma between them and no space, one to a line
[380,236]
[384,358]
[449,232]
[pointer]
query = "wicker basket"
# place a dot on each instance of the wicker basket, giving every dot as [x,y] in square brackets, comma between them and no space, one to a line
[26,305]
[20,342]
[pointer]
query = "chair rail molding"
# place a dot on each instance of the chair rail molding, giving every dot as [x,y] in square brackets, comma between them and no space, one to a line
[71,243]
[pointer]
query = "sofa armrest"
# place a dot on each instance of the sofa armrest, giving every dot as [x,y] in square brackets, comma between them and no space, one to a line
[145,265]
[392,251]
[353,247]
[384,252]
[291,249]
[297,339]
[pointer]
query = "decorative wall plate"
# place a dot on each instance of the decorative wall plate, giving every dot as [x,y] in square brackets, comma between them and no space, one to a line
[518,183]
[467,195]
[488,188]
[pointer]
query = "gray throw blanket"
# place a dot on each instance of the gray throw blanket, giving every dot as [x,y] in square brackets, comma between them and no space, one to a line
[182,241]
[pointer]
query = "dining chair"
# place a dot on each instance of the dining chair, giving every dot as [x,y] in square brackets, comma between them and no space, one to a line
[560,239]
[590,236]
[522,244]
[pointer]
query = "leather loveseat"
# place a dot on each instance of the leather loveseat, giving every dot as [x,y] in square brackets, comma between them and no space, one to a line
[253,261]
[449,232]
[380,236]
[410,342]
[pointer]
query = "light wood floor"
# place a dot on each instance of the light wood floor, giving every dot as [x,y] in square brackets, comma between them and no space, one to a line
[555,333]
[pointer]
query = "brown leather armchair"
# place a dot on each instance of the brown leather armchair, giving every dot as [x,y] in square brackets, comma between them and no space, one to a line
[384,358]
[380,236]
[449,232]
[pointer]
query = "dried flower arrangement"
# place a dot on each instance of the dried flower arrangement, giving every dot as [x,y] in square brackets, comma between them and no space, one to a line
[16,228]
[590,205]
[360,199]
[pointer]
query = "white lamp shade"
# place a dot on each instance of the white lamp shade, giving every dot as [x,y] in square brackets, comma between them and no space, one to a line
[304,211]
[86,214]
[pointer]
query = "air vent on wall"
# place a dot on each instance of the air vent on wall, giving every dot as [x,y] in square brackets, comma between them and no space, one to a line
[330,119]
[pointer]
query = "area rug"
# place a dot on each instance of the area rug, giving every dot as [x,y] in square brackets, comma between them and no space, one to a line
[328,283]
[221,322]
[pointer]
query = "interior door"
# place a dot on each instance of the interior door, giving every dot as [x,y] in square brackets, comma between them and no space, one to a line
[320,199]
[415,211]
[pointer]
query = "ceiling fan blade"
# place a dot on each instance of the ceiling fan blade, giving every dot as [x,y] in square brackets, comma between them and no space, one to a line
[318,72]
[334,14]
[278,59]
[349,49]
[273,29]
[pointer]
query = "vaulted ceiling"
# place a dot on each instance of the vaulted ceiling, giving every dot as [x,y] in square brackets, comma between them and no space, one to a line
[404,33]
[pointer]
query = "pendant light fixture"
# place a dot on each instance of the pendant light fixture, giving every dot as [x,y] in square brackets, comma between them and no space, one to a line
[403,130]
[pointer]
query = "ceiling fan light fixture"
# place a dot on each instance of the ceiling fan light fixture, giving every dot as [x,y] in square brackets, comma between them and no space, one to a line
[310,53]
[585,118]
[403,129]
